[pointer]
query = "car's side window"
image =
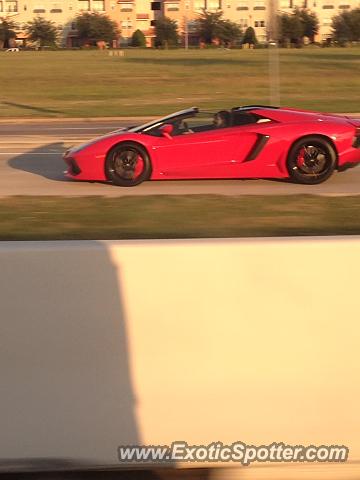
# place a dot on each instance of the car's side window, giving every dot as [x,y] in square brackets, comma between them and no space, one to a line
[203,122]
[180,127]
[198,123]
[186,125]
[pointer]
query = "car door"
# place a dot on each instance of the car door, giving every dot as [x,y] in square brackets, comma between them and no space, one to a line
[238,142]
[203,152]
[249,136]
[190,155]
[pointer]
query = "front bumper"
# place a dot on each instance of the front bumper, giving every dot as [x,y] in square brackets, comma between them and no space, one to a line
[84,165]
[73,168]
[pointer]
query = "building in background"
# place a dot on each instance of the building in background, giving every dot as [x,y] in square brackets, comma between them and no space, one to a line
[131,15]
[61,12]
[324,9]
[248,13]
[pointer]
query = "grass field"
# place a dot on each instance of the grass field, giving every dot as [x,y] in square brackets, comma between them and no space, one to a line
[189,216]
[150,82]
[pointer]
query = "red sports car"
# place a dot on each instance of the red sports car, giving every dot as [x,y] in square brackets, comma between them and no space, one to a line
[245,142]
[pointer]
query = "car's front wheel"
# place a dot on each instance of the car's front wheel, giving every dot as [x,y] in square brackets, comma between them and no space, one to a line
[311,160]
[127,164]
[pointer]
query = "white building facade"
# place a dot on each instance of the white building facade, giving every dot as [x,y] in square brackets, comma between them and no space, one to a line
[131,15]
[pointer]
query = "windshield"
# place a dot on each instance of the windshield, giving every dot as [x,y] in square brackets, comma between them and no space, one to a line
[195,121]
[160,121]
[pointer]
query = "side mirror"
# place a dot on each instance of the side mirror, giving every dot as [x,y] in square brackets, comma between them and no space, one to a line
[166,130]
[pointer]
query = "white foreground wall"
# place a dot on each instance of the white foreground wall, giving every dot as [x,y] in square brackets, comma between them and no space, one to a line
[111,343]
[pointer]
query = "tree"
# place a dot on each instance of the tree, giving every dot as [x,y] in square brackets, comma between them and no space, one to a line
[341,29]
[355,24]
[346,27]
[291,29]
[138,39]
[7,33]
[310,23]
[208,26]
[96,27]
[249,37]
[295,26]
[42,31]
[212,27]
[166,33]
[229,32]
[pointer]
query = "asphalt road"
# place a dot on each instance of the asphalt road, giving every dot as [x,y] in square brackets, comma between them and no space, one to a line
[31,164]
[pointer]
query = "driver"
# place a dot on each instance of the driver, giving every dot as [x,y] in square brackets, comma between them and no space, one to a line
[222,119]
[181,127]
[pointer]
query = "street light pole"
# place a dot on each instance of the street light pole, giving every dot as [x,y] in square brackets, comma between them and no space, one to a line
[274,60]
[186,32]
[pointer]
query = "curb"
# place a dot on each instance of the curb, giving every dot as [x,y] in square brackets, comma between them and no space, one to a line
[13,120]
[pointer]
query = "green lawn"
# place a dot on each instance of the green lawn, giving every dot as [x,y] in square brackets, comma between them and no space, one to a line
[192,216]
[150,82]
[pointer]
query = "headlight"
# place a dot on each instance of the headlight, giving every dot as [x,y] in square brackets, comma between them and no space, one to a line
[80,147]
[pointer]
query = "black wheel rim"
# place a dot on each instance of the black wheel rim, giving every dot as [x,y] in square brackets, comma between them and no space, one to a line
[127,164]
[312,160]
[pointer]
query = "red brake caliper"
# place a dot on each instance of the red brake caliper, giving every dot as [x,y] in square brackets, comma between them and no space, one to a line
[300,160]
[139,167]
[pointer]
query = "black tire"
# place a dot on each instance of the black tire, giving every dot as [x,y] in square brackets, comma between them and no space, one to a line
[123,162]
[311,160]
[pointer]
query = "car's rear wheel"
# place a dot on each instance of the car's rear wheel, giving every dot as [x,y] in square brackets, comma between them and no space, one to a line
[311,160]
[127,164]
